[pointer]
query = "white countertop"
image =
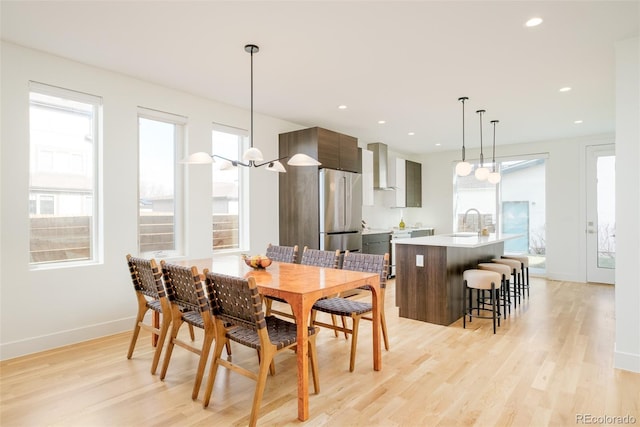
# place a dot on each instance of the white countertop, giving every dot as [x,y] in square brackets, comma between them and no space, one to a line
[457,240]
[392,230]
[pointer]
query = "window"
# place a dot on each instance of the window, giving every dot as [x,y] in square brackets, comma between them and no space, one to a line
[160,221]
[63,140]
[515,206]
[226,197]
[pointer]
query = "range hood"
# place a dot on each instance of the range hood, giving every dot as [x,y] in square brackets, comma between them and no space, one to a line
[380,166]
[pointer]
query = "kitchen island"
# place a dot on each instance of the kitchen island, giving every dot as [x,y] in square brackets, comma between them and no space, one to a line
[429,272]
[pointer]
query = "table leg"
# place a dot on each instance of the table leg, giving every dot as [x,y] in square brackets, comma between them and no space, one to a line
[302,311]
[155,320]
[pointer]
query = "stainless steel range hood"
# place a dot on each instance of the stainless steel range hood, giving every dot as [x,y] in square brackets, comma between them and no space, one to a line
[380,166]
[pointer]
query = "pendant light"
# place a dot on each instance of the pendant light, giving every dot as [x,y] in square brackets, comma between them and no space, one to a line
[481,173]
[253,156]
[463,168]
[494,177]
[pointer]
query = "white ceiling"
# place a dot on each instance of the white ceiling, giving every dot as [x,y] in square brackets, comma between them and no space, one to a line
[403,62]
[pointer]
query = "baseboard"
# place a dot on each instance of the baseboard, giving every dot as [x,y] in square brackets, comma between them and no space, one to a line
[27,346]
[626,361]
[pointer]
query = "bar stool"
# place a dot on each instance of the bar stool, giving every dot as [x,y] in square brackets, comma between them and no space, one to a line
[505,272]
[516,271]
[480,280]
[524,264]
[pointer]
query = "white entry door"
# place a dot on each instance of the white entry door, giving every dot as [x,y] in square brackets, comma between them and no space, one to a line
[601,214]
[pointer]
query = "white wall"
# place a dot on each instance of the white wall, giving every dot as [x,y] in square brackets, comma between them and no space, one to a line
[627,351]
[50,308]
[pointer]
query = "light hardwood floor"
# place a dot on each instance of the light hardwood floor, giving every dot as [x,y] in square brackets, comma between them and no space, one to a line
[549,363]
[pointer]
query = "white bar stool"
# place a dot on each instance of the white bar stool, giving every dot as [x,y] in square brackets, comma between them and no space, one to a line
[480,280]
[524,264]
[505,272]
[516,271]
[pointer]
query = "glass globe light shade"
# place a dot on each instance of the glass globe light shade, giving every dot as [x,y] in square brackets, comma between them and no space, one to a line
[463,168]
[482,173]
[276,167]
[302,160]
[494,178]
[252,154]
[199,158]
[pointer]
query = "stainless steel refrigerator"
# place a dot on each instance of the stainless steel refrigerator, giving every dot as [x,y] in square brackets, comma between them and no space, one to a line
[340,210]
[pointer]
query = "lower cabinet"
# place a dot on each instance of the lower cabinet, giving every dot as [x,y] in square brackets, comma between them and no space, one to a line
[378,244]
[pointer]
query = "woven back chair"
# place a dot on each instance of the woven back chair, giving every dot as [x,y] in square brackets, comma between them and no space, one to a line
[355,309]
[189,304]
[147,283]
[239,317]
[319,258]
[281,254]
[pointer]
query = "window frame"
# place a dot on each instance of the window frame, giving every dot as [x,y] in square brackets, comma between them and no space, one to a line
[96,242]
[179,180]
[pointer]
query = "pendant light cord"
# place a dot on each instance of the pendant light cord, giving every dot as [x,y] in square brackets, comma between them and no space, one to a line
[481,153]
[463,98]
[494,143]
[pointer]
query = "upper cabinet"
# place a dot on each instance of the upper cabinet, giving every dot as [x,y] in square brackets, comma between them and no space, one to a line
[413,173]
[334,150]
[405,177]
[337,151]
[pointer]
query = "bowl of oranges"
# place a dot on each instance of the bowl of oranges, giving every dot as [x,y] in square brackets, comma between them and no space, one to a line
[257,261]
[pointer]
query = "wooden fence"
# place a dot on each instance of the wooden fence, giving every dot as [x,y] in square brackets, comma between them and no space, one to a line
[69,238]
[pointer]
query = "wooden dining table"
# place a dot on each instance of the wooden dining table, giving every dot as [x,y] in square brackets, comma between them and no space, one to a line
[301,286]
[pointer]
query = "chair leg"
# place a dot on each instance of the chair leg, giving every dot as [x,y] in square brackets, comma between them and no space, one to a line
[204,355]
[213,369]
[334,321]
[142,309]
[354,342]
[383,325]
[192,334]
[167,354]
[260,383]
[344,325]
[164,330]
[493,306]
[464,304]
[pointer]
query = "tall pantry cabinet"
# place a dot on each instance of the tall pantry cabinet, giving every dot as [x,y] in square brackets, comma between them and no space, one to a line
[299,221]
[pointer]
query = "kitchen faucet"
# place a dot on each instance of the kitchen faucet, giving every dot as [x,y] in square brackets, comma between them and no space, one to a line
[464,219]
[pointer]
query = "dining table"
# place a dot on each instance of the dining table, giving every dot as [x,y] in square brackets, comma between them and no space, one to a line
[301,286]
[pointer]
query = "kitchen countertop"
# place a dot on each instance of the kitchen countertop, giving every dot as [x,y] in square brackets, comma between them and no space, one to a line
[392,230]
[457,240]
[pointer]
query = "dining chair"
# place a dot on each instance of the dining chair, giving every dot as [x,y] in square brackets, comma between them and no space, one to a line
[355,309]
[189,304]
[238,314]
[281,254]
[147,283]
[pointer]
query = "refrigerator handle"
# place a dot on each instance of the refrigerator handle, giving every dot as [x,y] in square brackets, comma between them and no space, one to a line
[344,204]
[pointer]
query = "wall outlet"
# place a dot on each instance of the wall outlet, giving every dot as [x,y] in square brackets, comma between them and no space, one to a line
[419,260]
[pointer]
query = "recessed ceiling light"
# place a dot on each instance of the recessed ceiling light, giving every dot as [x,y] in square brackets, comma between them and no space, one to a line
[342,107]
[565,89]
[438,144]
[534,22]
[381,122]
[411,133]
[577,122]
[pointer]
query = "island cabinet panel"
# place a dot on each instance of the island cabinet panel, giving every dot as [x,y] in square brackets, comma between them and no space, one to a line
[433,293]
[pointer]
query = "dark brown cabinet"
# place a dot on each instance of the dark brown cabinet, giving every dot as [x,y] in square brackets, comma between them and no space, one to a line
[413,183]
[298,188]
